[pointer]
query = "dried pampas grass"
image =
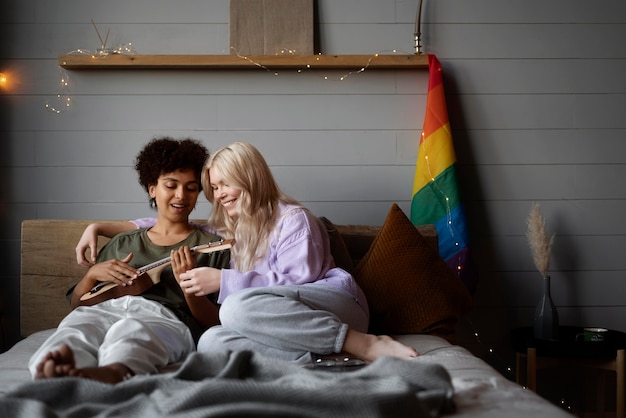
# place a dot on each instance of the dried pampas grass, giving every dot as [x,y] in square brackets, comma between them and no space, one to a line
[538,239]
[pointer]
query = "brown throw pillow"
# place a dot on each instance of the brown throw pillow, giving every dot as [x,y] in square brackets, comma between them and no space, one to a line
[338,247]
[408,286]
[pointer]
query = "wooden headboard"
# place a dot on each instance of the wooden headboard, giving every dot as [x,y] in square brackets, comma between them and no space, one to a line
[49,267]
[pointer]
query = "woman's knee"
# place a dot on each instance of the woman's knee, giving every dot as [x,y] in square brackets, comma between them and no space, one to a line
[244,306]
[234,310]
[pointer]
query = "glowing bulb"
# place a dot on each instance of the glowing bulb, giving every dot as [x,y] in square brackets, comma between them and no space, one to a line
[3,79]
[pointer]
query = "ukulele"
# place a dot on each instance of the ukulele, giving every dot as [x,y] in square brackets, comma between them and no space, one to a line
[148,276]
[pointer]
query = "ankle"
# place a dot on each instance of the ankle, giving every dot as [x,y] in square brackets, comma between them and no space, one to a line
[122,371]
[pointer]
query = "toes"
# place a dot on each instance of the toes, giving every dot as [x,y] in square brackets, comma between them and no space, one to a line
[49,368]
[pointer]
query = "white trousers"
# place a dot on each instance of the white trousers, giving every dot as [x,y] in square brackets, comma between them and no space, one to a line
[142,334]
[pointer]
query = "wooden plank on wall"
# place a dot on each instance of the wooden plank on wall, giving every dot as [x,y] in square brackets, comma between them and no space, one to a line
[270,27]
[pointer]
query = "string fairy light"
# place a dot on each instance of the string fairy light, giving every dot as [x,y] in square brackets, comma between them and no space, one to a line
[311,67]
[65,100]
[103,53]
[63,97]
[445,198]
[258,64]
[494,358]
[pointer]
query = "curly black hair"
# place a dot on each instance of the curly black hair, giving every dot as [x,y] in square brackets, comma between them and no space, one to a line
[166,155]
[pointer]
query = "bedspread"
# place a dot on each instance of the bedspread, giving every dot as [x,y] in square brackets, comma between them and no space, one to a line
[241,383]
[479,390]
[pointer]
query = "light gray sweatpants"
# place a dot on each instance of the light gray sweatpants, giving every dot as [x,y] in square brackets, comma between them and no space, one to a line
[140,333]
[286,322]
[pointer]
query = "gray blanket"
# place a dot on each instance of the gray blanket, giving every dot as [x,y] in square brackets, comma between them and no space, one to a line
[238,384]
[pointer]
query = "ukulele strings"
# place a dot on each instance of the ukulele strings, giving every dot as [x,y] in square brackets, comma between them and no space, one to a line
[157,263]
[167,259]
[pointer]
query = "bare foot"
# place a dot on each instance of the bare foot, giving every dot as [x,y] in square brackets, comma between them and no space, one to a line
[369,347]
[111,373]
[56,363]
[60,363]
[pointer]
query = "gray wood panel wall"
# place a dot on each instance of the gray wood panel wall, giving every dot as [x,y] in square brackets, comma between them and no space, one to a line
[536,95]
[537,100]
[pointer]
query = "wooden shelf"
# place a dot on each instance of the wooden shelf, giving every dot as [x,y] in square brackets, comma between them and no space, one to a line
[221,62]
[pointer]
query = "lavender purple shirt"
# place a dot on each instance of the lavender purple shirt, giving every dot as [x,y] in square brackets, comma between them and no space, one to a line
[298,254]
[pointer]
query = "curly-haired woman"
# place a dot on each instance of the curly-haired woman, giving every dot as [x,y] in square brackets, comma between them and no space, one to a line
[120,337]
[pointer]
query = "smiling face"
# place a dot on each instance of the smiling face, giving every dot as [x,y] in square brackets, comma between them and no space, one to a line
[224,194]
[176,194]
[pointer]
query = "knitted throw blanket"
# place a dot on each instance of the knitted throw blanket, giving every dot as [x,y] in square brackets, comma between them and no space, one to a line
[229,384]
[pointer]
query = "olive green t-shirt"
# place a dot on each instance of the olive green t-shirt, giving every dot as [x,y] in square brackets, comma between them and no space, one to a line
[167,291]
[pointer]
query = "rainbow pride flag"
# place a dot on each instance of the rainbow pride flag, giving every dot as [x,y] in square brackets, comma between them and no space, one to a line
[436,197]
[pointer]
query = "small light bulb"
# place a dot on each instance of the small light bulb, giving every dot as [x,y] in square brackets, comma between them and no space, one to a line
[3,79]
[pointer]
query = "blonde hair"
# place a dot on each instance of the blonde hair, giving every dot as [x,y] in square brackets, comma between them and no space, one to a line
[243,167]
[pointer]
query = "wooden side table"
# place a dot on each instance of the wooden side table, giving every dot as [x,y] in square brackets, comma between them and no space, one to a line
[566,351]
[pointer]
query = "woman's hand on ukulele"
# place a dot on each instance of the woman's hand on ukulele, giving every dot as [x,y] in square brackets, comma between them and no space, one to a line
[115,271]
[201,281]
[182,260]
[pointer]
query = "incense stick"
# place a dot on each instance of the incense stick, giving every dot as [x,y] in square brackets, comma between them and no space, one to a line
[97,32]
[106,38]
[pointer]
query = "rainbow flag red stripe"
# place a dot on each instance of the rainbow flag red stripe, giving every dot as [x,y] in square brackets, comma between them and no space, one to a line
[436,197]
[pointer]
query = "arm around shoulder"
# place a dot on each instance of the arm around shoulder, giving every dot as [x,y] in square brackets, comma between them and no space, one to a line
[89,238]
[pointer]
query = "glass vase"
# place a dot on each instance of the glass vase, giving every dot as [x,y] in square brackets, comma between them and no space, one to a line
[546,323]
